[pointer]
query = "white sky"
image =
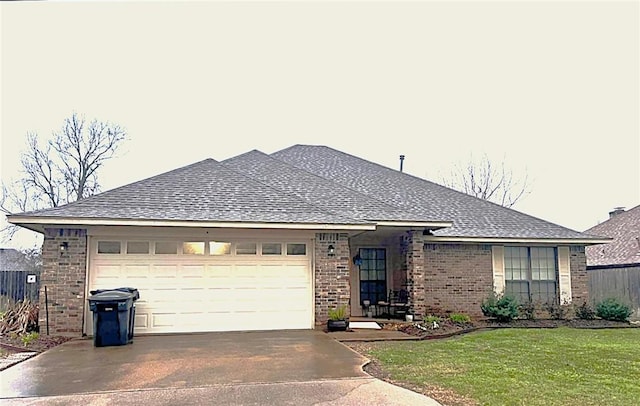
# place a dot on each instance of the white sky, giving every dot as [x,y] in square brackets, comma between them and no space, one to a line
[552,86]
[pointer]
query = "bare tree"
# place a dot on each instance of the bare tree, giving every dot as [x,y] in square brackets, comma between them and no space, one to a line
[482,179]
[63,169]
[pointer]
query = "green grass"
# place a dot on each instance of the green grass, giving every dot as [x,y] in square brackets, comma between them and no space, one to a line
[561,366]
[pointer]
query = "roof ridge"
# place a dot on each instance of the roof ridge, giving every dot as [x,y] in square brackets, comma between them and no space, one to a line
[419,179]
[296,196]
[328,181]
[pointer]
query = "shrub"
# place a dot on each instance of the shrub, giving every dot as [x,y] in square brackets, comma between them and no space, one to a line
[527,311]
[585,312]
[459,318]
[613,309]
[556,310]
[339,313]
[29,338]
[431,318]
[502,308]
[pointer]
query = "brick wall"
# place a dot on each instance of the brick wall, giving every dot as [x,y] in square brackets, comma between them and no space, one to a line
[458,277]
[63,274]
[413,250]
[332,288]
[579,276]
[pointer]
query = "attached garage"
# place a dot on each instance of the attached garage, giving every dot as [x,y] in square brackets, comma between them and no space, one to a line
[202,284]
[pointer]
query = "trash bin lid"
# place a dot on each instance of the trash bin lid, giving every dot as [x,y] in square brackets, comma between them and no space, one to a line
[135,295]
[111,296]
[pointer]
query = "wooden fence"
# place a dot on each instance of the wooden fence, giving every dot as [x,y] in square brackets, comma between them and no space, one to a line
[621,283]
[16,286]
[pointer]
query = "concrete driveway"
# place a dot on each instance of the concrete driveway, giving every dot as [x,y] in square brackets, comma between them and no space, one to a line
[230,368]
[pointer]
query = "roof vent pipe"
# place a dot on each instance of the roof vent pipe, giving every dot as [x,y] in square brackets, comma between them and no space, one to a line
[616,211]
[401,161]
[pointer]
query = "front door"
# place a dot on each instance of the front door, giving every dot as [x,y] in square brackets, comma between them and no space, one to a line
[373,275]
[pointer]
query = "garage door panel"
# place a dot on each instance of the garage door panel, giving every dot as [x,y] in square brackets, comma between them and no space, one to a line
[193,271]
[108,272]
[212,293]
[165,271]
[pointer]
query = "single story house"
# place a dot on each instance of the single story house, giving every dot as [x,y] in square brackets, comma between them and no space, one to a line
[614,268]
[274,241]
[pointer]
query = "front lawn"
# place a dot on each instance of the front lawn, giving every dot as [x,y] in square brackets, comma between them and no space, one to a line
[560,366]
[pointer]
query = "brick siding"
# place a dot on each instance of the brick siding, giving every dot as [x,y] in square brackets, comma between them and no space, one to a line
[63,274]
[458,278]
[579,276]
[413,250]
[332,286]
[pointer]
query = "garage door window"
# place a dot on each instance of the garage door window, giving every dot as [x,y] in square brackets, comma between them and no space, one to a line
[246,248]
[271,248]
[108,247]
[137,247]
[193,248]
[296,249]
[166,247]
[219,248]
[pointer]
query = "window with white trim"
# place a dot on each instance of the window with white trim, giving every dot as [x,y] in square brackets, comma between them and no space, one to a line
[531,274]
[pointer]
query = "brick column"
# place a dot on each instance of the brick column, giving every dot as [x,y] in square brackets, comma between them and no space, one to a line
[579,276]
[63,273]
[331,274]
[413,251]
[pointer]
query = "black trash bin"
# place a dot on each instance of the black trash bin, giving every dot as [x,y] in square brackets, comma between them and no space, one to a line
[113,315]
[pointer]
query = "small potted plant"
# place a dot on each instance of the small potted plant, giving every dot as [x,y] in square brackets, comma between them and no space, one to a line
[338,320]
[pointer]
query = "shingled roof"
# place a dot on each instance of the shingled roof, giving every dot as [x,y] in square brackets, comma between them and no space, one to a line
[471,217]
[312,185]
[204,191]
[624,228]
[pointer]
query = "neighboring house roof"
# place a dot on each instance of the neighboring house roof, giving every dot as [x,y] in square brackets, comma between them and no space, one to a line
[471,217]
[312,185]
[624,228]
[12,260]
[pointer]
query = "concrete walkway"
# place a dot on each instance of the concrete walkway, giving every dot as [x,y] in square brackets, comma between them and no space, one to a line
[280,367]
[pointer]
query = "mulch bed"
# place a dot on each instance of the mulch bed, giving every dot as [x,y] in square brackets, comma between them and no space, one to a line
[447,328]
[12,343]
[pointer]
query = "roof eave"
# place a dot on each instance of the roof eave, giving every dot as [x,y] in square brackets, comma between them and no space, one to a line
[38,224]
[431,225]
[514,240]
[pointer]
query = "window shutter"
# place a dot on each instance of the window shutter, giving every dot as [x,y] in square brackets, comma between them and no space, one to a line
[564,275]
[497,252]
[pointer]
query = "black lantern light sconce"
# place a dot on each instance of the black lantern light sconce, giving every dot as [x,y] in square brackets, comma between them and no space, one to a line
[332,250]
[64,247]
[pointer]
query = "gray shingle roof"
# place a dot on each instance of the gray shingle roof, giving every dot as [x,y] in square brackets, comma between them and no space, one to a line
[324,193]
[204,191]
[303,185]
[624,228]
[472,217]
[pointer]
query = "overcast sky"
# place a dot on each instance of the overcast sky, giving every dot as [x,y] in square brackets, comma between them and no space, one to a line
[551,87]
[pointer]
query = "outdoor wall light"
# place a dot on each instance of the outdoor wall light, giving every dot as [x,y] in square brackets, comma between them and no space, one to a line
[331,250]
[64,246]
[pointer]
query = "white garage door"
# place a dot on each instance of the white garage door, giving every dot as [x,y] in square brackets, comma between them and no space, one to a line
[188,286]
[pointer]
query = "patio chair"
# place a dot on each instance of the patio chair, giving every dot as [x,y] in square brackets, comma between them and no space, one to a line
[397,303]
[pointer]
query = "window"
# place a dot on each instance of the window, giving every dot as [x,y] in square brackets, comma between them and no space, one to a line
[108,247]
[246,248]
[296,249]
[193,248]
[137,247]
[219,248]
[166,247]
[373,275]
[271,248]
[531,274]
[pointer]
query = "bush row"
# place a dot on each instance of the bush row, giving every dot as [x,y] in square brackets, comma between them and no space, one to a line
[506,308]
